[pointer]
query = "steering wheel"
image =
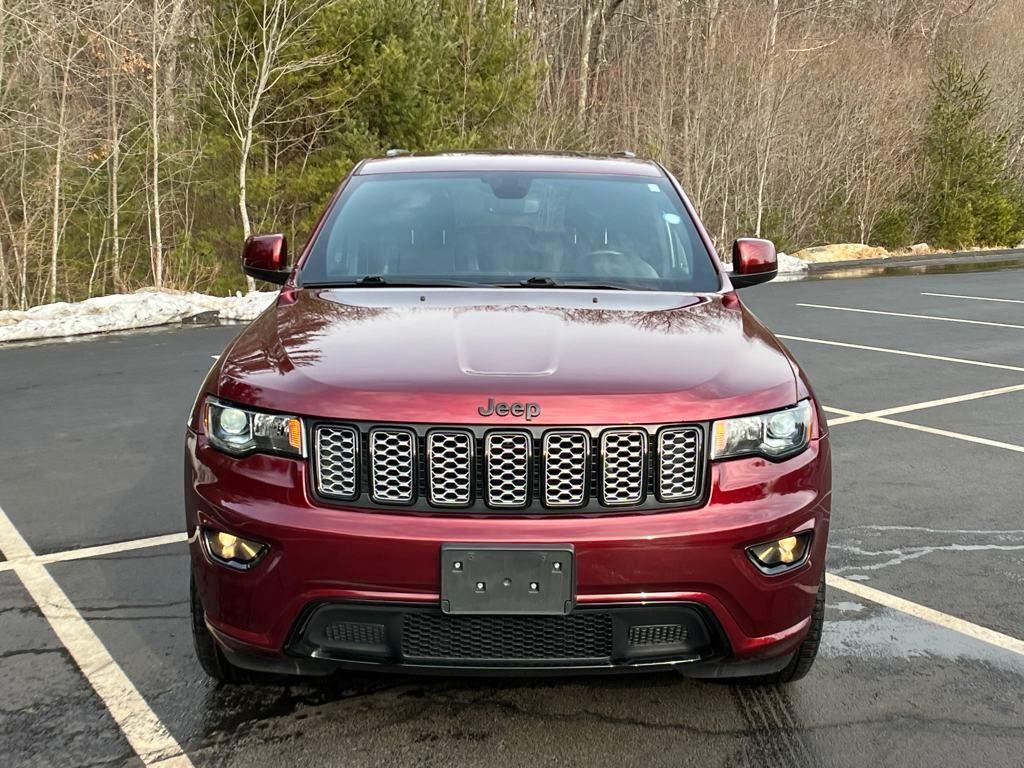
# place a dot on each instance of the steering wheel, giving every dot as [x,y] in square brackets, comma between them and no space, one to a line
[607,262]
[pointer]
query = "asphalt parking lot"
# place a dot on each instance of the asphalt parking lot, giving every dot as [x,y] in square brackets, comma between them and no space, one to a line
[922,661]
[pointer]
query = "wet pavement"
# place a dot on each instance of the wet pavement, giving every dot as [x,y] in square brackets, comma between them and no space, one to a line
[92,433]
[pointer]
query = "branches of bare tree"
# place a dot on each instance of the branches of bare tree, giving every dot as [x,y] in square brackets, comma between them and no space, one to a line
[126,125]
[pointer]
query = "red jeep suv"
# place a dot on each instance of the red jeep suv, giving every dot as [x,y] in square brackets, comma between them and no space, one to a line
[507,415]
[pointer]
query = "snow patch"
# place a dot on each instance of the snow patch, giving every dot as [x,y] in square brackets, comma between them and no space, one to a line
[126,311]
[149,307]
[789,265]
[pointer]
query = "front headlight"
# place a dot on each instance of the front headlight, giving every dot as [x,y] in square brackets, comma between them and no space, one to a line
[774,435]
[240,431]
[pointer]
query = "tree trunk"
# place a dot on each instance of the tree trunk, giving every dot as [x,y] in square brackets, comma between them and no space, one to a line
[720,245]
[599,45]
[3,259]
[58,164]
[15,273]
[243,209]
[23,264]
[4,300]
[467,66]
[589,11]
[157,249]
[769,123]
[113,166]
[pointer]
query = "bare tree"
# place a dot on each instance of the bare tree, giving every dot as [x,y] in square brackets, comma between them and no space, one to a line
[260,48]
[797,119]
[121,61]
[65,45]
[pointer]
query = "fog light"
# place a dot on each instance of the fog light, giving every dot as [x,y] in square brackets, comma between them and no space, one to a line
[233,550]
[775,556]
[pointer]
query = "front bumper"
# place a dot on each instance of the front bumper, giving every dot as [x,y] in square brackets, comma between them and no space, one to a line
[691,562]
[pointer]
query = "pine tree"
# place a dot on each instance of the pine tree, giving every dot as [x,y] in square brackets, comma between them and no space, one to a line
[968,197]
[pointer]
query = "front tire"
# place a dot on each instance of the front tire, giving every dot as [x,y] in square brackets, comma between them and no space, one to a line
[805,655]
[211,657]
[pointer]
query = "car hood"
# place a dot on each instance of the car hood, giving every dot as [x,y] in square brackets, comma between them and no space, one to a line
[438,355]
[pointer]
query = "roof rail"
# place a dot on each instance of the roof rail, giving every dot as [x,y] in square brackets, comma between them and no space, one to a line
[624,153]
[395,152]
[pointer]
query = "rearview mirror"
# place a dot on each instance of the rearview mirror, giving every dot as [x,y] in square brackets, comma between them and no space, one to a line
[753,262]
[265,257]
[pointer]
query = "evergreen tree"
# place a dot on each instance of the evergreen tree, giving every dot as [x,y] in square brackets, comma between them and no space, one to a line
[968,197]
[419,75]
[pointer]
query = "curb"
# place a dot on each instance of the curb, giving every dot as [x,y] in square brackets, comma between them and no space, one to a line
[210,317]
[995,259]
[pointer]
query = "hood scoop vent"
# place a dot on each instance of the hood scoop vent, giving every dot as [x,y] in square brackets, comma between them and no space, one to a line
[500,343]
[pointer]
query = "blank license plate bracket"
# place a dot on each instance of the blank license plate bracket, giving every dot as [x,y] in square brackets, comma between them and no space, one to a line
[507,579]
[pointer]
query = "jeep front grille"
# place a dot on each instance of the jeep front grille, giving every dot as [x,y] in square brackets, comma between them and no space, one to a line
[450,467]
[337,451]
[678,470]
[507,465]
[623,466]
[566,458]
[392,465]
[529,469]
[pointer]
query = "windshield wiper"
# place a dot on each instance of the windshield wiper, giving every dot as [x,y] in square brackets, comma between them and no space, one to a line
[540,281]
[549,282]
[379,281]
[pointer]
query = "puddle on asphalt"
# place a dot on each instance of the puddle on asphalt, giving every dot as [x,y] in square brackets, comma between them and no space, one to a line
[853,629]
[864,631]
[857,550]
[846,607]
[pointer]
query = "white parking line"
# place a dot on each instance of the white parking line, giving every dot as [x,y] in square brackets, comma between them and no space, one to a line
[948,433]
[97,551]
[148,736]
[916,317]
[141,727]
[918,428]
[976,631]
[903,352]
[927,404]
[975,298]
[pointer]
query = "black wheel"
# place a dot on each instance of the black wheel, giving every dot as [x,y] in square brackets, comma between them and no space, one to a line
[803,659]
[210,656]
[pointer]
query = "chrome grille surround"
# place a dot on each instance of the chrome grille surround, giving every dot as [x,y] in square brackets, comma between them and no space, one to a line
[536,470]
[623,466]
[392,465]
[337,461]
[450,467]
[508,464]
[566,463]
[679,463]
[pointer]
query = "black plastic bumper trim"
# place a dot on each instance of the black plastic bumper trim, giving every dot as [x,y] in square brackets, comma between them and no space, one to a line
[716,668]
[702,641]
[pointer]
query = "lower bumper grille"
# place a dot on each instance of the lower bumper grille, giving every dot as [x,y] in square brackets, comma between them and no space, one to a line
[417,636]
[510,638]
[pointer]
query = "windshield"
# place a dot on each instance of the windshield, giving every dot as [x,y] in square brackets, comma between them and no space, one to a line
[506,228]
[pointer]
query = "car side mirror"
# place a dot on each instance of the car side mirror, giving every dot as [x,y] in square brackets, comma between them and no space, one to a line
[265,257]
[753,261]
